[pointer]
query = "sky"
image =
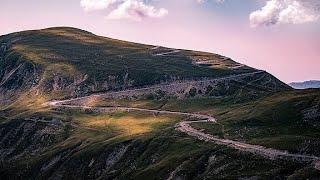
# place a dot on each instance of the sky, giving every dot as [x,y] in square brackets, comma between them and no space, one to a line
[279,36]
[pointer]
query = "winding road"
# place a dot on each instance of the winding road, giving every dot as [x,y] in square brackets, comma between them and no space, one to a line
[185,127]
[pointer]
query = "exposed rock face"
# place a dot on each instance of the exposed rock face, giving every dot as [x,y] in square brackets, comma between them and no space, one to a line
[241,86]
[312,113]
[16,76]
[23,138]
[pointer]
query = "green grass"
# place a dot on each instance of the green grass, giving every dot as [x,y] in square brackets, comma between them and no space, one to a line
[214,129]
[156,148]
[274,120]
[102,58]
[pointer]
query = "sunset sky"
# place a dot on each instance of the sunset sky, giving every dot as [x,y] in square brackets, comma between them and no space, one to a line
[279,36]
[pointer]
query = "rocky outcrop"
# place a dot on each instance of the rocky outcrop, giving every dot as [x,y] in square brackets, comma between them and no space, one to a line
[311,113]
[247,85]
[16,75]
[23,138]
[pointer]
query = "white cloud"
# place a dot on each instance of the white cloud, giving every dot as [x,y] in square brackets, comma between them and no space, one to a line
[124,9]
[286,12]
[136,10]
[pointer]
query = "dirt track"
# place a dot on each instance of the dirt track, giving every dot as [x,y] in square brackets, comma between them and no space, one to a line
[185,127]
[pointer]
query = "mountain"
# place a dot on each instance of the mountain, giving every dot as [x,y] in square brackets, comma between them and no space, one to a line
[305,84]
[72,62]
[75,105]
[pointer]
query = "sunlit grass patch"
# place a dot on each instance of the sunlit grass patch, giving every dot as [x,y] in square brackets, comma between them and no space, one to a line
[39,56]
[126,124]
[28,103]
[140,103]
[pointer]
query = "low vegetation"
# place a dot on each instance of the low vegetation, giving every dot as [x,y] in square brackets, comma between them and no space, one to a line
[42,142]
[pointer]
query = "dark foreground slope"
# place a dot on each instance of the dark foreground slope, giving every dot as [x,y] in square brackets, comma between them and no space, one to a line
[42,142]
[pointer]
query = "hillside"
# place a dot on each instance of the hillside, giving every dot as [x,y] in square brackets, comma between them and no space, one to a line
[71,62]
[79,106]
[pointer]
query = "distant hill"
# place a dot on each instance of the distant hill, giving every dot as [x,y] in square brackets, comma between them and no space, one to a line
[305,84]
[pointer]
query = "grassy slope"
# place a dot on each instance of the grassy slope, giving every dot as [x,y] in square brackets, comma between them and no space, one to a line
[72,51]
[78,62]
[155,152]
[65,56]
[277,121]
[274,120]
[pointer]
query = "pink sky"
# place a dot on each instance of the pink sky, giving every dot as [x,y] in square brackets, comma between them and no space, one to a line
[290,52]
